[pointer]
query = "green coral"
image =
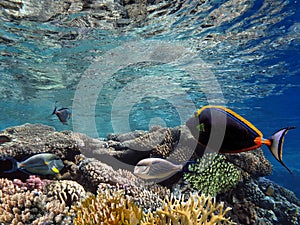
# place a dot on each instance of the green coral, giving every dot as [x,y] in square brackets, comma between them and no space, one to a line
[212,174]
[108,208]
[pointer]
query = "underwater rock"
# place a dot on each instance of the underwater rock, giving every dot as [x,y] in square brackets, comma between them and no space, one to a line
[252,205]
[36,138]
[253,163]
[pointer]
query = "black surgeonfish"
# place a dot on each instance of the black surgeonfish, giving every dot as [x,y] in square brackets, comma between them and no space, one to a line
[63,114]
[234,133]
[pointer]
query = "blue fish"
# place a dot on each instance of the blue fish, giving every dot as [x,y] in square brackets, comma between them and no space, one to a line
[63,114]
[39,164]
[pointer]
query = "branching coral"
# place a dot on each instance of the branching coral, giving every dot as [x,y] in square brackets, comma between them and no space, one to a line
[108,208]
[198,210]
[212,174]
[19,206]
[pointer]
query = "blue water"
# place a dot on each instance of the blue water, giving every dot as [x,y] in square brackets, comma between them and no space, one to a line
[252,50]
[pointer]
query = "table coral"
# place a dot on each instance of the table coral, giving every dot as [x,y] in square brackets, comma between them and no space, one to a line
[198,210]
[212,174]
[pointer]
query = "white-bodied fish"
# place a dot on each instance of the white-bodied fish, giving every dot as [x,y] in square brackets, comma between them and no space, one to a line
[39,164]
[156,168]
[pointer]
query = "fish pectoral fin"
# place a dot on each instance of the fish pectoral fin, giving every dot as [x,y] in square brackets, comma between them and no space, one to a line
[276,143]
[55,170]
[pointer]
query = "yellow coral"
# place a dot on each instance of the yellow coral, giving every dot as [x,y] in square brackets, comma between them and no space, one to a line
[108,208]
[198,210]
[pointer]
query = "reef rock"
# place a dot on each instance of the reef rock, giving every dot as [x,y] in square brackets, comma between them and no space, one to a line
[36,138]
[97,165]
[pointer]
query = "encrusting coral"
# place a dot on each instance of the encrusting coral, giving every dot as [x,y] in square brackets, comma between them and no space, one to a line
[212,174]
[198,210]
[108,208]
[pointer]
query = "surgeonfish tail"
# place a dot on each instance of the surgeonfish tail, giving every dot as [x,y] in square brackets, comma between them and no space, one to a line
[14,164]
[187,167]
[54,110]
[275,143]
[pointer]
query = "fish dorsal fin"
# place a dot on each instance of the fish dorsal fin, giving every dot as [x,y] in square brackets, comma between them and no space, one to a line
[234,116]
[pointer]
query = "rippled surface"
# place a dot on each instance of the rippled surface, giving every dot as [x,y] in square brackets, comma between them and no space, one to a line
[251,47]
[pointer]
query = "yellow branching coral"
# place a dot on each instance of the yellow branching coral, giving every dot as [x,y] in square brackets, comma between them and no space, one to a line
[108,208]
[198,210]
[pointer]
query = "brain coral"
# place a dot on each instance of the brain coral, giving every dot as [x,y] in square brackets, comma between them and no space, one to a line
[108,208]
[212,174]
[198,210]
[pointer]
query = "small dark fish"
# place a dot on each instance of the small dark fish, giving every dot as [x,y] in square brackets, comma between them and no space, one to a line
[239,134]
[63,114]
[39,164]
[3,139]
[156,168]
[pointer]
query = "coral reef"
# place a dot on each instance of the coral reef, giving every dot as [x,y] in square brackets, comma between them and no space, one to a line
[197,210]
[32,183]
[67,192]
[252,163]
[36,138]
[147,197]
[35,200]
[97,175]
[108,208]
[262,202]
[30,207]
[212,174]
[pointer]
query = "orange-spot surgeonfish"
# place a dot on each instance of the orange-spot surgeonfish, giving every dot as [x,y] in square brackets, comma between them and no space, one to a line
[234,133]
[63,114]
[39,164]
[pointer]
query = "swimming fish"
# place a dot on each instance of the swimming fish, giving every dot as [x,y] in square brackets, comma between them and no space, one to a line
[3,139]
[235,132]
[156,168]
[39,164]
[63,114]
